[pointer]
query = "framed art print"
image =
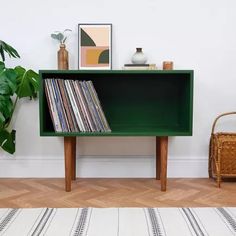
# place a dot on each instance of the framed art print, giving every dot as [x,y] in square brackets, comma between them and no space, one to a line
[95,46]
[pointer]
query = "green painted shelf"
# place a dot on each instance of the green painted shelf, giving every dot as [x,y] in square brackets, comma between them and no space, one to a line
[136,103]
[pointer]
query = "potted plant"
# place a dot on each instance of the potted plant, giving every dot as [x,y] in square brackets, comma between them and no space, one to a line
[62,54]
[15,83]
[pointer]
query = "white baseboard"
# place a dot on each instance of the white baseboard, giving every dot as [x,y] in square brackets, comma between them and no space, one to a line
[102,166]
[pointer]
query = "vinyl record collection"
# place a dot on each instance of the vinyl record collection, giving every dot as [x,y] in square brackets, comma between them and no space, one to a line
[74,106]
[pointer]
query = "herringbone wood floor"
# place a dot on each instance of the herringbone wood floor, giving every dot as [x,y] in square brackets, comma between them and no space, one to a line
[115,193]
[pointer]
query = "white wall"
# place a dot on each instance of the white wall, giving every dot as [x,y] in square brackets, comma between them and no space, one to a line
[199,35]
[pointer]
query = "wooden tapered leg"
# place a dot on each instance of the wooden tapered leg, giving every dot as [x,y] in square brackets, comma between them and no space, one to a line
[73,162]
[163,159]
[68,150]
[158,158]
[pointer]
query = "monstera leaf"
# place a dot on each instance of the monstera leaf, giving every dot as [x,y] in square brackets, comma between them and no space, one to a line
[6,110]
[19,82]
[8,83]
[2,66]
[8,87]
[7,140]
[14,84]
[4,47]
[27,81]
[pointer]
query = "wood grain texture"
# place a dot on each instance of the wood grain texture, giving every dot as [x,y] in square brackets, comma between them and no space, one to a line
[158,158]
[73,161]
[164,155]
[63,58]
[115,193]
[68,153]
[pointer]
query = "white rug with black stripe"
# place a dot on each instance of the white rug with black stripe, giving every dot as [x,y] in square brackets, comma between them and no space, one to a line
[118,221]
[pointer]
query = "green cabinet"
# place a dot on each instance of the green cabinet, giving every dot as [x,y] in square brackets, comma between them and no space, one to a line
[136,103]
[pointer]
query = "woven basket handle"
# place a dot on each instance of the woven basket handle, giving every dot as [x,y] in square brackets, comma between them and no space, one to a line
[218,117]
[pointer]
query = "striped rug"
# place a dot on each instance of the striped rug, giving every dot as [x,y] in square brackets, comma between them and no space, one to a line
[118,221]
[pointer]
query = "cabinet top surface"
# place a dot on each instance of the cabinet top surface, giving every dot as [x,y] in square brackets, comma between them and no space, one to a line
[117,71]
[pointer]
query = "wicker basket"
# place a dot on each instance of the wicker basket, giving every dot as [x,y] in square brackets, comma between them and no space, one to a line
[222,153]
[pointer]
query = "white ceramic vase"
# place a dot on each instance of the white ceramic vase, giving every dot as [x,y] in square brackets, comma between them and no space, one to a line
[139,57]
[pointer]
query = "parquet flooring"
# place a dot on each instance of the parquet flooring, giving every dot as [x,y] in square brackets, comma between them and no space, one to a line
[115,193]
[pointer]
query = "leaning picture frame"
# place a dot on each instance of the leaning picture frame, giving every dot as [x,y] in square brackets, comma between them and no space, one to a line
[95,46]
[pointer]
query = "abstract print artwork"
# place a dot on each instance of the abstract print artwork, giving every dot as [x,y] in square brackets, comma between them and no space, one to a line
[95,46]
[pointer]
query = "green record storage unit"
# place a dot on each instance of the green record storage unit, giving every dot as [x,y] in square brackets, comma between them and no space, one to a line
[136,103]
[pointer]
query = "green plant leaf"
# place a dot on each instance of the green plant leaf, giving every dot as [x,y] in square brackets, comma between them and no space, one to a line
[6,108]
[2,66]
[58,36]
[2,53]
[18,82]
[54,36]
[28,82]
[7,140]
[10,50]
[8,83]
[2,120]
[5,88]
[4,47]
[8,87]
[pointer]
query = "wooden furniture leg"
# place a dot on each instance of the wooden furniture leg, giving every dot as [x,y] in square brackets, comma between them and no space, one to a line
[68,150]
[161,160]
[73,163]
[158,158]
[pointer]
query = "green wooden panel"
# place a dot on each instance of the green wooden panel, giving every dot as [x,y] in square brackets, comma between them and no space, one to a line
[136,103]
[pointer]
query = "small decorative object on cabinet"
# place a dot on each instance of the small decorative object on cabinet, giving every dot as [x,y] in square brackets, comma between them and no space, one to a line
[168,65]
[95,46]
[62,54]
[62,58]
[222,153]
[139,57]
[162,101]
